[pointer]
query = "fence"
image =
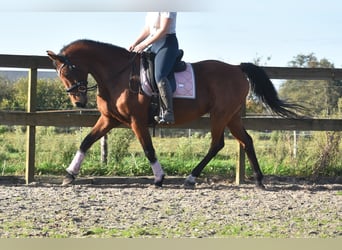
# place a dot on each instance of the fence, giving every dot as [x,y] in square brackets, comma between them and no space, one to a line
[87,118]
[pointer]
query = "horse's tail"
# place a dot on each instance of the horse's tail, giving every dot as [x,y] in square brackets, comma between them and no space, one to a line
[262,86]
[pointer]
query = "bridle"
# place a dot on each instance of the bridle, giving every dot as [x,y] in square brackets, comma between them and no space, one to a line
[79,87]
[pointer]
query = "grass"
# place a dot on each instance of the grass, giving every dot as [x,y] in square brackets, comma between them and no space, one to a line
[198,227]
[55,150]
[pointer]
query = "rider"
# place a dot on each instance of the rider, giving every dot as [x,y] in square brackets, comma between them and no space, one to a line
[160,33]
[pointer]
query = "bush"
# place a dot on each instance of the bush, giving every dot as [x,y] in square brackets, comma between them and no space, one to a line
[328,155]
[120,140]
[4,129]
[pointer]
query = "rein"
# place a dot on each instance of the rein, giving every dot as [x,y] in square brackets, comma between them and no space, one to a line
[134,75]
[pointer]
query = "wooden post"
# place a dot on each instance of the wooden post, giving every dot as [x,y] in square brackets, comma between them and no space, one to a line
[240,168]
[31,130]
[295,146]
[104,149]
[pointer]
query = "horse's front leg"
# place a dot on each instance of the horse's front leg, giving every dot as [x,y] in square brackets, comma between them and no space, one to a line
[143,135]
[102,126]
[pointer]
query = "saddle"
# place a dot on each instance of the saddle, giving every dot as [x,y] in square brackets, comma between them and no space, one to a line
[147,62]
[147,59]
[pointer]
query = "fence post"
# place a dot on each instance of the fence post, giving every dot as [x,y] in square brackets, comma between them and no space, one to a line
[240,168]
[104,149]
[31,130]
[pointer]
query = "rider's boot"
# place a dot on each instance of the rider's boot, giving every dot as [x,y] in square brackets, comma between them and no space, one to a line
[165,93]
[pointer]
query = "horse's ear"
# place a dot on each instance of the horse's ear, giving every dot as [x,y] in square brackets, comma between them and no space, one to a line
[51,55]
[54,57]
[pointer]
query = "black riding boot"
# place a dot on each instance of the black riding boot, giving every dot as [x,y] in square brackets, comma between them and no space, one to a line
[165,93]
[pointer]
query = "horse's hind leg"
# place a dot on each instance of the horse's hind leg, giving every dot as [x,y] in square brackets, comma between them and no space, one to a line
[240,133]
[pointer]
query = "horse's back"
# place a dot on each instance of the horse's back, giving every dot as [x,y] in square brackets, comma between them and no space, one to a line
[220,78]
[214,65]
[220,88]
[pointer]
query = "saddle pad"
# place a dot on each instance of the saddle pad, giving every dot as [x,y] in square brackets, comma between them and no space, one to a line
[185,82]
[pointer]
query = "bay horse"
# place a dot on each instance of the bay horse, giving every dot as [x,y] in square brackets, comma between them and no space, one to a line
[221,91]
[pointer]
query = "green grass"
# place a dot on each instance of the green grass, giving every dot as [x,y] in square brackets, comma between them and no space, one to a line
[197,227]
[178,156]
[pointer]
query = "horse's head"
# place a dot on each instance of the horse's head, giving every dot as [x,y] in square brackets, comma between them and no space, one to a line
[73,77]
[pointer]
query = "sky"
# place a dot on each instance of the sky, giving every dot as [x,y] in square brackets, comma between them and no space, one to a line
[231,31]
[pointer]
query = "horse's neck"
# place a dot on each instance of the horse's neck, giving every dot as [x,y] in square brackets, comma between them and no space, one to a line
[107,68]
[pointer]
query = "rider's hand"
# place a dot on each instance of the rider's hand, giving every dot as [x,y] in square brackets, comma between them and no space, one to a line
[140,47]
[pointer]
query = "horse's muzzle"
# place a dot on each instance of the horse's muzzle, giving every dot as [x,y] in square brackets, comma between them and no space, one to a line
[80,105]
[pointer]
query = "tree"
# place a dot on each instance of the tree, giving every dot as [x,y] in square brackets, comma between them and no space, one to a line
[6,93]
[320,97]
[51,95]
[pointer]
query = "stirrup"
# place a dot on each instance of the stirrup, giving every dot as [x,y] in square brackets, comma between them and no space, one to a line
[162,120]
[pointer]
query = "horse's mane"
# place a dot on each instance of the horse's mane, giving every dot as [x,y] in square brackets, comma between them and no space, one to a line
[92,43]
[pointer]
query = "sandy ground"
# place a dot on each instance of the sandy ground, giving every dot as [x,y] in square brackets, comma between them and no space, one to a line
[132,207]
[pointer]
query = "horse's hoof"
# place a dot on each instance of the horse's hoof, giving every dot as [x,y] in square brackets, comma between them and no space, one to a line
[159,183]
[189,184]
[68,179]
[260,186]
